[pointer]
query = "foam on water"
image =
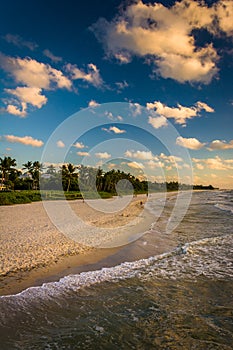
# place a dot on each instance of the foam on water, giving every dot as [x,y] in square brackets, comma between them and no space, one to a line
[211,257]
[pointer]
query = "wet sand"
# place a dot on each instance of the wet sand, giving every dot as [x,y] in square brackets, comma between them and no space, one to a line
[33,251]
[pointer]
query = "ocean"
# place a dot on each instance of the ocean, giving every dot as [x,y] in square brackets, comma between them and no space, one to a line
[180,299]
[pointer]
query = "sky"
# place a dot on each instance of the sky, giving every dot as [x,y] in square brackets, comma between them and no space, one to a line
[149,83]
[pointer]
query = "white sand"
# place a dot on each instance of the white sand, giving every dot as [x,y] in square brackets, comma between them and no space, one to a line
[28,238]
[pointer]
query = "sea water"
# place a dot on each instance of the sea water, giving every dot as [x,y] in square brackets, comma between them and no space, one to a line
[181,299]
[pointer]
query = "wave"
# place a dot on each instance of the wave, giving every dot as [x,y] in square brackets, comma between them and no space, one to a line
[209,257]
[225,207]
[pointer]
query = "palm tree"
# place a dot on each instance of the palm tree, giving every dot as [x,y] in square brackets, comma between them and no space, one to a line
[7,165]
[68,173]
[34,169]
[37,169]
[28,166]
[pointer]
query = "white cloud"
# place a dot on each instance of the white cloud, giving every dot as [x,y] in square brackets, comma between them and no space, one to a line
[136,109]
[50,55]
[121,85]
[110,116]
[18,41]
[170,159]
[168,36]
[156,164]
[11,109]
[31,95]
[32,73]
[79,145]
[60,144]
[103,155]
[190,143]
[35,76]
[220,145]
[25,140]
[180,113]
[202,105]
[83,154]
[215,163]
[144,155]
[123,58]
[114,129]
[135,165]
[157,122]
[200,166]
[224,12]
[93,104]
[92,76]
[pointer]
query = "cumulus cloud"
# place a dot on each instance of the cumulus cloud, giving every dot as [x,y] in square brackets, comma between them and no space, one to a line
[121,85]
[83,154]
[79,145]
[31,95]
[180,113]
[170,159]
[93,104]
[216,163]
[145,155]
[60,144]
[18,111]
[157,122]
[20,42]
[220,145]
[32,73]
[92,76]
[25,140]
[135,165]
[190,143]
[167,36]
[152,164]
[103,155]
[52,57]
[110,116]
[35,77]
[114,129]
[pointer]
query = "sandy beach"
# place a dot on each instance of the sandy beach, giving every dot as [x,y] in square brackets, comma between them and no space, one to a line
[33,250]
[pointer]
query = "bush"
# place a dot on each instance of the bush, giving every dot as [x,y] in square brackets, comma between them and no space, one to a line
[8,198]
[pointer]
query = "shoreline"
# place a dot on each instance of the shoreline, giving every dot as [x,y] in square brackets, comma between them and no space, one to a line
[86,259]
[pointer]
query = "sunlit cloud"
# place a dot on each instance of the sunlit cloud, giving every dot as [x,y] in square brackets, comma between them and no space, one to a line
[52,57]
[220,145]
[20,42]
[143,155]
[135,165]
[157,122]
[79,145]
[180,113]
[190,143]
[35,77]
[83,154]
[25,140]
[92,76]
[103,155]
[60,144]
[216,163]
[167,36]
[93,104]
[114,129]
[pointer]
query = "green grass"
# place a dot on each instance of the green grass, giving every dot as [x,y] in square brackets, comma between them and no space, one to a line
[28,196]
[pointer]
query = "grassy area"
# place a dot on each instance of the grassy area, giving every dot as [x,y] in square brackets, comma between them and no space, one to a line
[21,197]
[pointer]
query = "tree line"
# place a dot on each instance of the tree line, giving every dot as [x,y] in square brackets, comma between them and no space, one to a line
[34,176]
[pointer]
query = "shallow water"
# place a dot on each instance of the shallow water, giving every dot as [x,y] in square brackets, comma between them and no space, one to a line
[181,299]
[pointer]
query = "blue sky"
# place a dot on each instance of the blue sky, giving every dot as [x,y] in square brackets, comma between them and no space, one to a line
[172,58]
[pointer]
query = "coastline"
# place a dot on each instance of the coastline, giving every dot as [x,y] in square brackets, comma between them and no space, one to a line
[34,251]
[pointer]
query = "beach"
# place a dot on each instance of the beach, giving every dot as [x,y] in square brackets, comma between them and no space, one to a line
[34,251]
[164,290]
